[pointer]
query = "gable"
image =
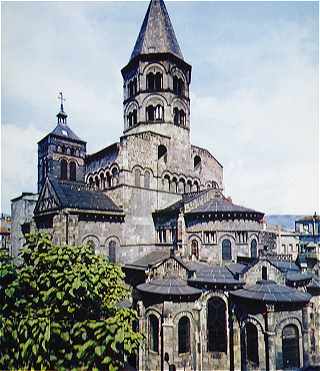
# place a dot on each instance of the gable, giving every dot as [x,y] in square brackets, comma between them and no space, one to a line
[48,200]
[254,273]
[169,268]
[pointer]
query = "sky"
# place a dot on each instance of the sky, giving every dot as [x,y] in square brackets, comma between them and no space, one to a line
[254,89]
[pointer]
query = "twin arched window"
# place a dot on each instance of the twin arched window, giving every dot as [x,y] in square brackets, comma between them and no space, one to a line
[64,170]
[290,347]
[184,335]
[179,117]
[216,325]
[155,113]
[226,250]
[154,81]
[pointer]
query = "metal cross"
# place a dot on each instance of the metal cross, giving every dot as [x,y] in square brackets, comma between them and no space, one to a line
[60,97]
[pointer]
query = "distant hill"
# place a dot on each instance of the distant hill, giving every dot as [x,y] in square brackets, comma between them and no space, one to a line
[286,221]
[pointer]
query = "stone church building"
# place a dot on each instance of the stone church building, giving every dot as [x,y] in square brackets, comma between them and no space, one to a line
[210,291]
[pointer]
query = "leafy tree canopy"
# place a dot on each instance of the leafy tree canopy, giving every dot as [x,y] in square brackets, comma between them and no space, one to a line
[60,309]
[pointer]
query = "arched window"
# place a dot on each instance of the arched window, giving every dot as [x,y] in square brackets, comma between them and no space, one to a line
[130,121]
[112,251]
[147,179]
[154,333]
[264,274]
[181,186]
[115,177]
[159,112]
[252,344]
[158,81]
[63,170]
[189,186]
[184,335]
[73,171]
[195,249]
[150,113]
[108,180]
[253,249]
[162,152]
[226,250]
[176,116]
[174,185]
[197,162]
[166,183]
[102,181]
[97,182]
[134,117]
[150,82]
[217,325]
[90,183]
[290,347]
[137,175]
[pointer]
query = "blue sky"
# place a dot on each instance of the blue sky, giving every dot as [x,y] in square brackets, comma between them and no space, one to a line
[254,89]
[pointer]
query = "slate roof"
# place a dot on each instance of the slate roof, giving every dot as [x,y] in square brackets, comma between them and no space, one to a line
[284,266]
[156,34]
[64,131]
[270,292]
[298,276]
[218,204]
[221,205]
[150,259]
[168,287]
[102,158]
[74,195]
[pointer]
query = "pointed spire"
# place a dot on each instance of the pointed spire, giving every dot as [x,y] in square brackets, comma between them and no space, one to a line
[156,34]
[62,116]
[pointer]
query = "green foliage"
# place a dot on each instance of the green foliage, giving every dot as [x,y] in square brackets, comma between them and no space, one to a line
[61,309]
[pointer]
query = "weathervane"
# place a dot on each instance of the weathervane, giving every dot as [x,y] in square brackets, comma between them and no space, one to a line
[60,97]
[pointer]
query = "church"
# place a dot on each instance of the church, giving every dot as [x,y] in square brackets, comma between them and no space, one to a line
[210,291]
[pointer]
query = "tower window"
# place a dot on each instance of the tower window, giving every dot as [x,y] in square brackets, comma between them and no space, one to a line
[132,88]
[73,171]
[159,112]
[176,116]
[162,152]
[184,335]
[63,170]
[150,113]
[178,86]
[154,81]
[182,118]
[195,249]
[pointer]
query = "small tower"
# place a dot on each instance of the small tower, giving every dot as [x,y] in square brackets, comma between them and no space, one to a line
[61,153]
[156,79]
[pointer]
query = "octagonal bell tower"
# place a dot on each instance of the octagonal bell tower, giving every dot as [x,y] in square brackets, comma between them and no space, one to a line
[156,79]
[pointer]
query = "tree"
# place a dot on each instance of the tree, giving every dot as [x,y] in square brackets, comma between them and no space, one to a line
[62,309]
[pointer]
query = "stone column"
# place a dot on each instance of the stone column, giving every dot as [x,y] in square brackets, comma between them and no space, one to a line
[270,338]
[306,349]
[168,340]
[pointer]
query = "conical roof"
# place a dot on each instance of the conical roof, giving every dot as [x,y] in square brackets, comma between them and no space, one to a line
[156,34]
